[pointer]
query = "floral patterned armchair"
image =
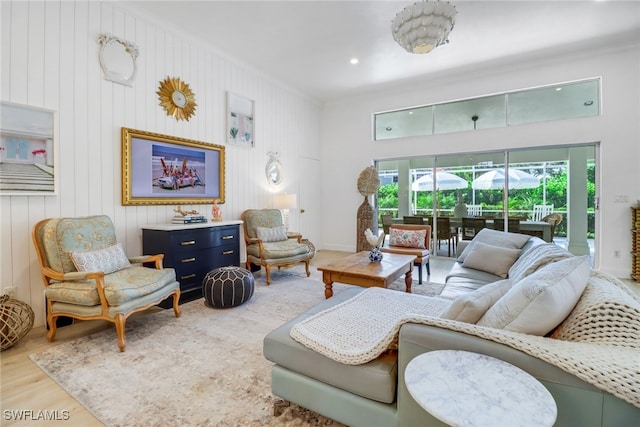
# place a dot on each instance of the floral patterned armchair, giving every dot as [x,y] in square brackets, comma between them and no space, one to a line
[268,242]
[87,275]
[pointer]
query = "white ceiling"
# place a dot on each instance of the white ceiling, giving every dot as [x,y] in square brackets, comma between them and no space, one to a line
[307,45]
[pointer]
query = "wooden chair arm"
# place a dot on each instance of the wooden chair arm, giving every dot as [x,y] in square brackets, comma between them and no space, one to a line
[157,259]
[97,276]
[294,235]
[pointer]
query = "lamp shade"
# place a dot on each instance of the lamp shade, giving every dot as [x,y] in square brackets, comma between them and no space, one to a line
[285,201]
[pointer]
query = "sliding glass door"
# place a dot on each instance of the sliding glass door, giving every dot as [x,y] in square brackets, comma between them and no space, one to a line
[547,192]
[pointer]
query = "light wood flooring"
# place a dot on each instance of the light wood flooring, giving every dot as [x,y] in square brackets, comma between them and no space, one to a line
[25,387]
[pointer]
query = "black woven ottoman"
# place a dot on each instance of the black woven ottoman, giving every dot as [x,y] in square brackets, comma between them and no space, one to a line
[227,287]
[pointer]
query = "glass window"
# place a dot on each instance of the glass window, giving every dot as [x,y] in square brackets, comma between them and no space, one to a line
[479,113]
[555,102]
[564,101]
[409,122]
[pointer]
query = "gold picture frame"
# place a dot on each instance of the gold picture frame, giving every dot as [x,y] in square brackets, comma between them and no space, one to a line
[167,170]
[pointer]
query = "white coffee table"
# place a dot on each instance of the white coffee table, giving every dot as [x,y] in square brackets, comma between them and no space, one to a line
[462,388]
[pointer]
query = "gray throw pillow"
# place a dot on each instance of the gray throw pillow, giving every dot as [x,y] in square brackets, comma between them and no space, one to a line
[496,238]
[492,259]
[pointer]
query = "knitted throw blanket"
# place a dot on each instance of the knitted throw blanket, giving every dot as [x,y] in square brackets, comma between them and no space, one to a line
[359,329]
[599,342]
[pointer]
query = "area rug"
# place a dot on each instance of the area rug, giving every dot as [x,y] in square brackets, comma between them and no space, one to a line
[205,368]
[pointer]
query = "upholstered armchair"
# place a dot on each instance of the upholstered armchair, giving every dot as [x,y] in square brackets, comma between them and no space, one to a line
[87,275]
[269,244]
[411,239]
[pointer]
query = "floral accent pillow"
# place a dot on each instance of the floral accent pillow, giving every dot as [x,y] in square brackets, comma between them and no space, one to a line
[273,234]
[407,238]
[109,259]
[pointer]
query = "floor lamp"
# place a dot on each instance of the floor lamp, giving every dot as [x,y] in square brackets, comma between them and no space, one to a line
[284,202]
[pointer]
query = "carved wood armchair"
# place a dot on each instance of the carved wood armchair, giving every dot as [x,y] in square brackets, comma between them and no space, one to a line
[87,276]
[269,244]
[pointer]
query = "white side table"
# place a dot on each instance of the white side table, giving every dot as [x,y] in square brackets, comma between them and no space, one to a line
[462,388]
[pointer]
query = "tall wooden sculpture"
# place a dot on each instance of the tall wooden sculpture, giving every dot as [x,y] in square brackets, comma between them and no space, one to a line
[368,184]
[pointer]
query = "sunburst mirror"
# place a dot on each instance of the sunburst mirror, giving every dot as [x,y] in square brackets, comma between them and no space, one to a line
[177,98]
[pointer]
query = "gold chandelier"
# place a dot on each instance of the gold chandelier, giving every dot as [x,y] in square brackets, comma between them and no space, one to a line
[423,26]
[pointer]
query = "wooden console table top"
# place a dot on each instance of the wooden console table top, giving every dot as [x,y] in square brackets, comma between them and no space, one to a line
[356,269]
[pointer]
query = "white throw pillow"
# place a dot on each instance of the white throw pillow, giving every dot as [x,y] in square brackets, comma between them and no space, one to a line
[273,234]
[469,308]
[538,303]
[108,260]
[492,259]
[496,238]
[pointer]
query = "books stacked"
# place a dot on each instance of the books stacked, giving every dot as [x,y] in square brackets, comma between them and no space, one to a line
[188,219]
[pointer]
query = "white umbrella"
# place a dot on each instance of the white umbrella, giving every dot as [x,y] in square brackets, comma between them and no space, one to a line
[494,180]
[444,181]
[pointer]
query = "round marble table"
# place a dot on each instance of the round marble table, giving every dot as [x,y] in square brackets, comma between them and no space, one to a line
[462,388]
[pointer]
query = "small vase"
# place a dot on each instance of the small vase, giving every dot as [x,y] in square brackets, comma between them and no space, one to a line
[375,255]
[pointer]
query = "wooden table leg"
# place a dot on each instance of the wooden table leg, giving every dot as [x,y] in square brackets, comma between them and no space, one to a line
[408,279]
[328,286]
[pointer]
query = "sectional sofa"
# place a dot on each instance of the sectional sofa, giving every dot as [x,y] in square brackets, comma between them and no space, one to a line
[586,355]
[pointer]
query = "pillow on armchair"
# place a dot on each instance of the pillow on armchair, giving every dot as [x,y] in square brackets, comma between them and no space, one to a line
[273,234]
[108,260]
[407,238]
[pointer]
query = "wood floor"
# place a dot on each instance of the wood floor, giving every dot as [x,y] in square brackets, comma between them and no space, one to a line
[26,388]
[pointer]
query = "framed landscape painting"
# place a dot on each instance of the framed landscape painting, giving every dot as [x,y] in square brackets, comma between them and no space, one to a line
[240,123]
[28,150]
[166,170]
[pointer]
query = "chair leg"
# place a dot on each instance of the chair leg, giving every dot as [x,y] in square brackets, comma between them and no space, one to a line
[268,270]
[306,266]
[428,269]
[419,272]
[51,321]
[176,303]
[120,321]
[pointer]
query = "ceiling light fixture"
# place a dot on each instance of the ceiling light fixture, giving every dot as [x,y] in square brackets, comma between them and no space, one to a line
[353,61]
[423,26]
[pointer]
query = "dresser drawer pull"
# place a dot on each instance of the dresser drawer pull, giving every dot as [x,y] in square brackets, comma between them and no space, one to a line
[227,237]
[188,260]
[188,276]
[188,242]
[227,252]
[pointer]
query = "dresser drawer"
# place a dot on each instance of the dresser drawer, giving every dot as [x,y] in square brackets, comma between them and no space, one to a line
[202,238]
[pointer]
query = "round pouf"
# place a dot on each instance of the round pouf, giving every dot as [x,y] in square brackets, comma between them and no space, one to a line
[227,287]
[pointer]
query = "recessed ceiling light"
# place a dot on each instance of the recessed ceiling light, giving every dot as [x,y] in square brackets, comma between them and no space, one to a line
[558,89]
[389,128]
[410,112]
[353,61]
[588,103]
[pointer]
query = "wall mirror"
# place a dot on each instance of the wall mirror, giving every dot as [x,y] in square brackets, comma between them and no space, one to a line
[118,59]
[273,170]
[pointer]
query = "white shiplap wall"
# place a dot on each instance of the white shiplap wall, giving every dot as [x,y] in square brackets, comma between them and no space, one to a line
[50,60]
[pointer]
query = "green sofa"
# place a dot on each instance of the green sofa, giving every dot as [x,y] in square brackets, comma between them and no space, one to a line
[606,318]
